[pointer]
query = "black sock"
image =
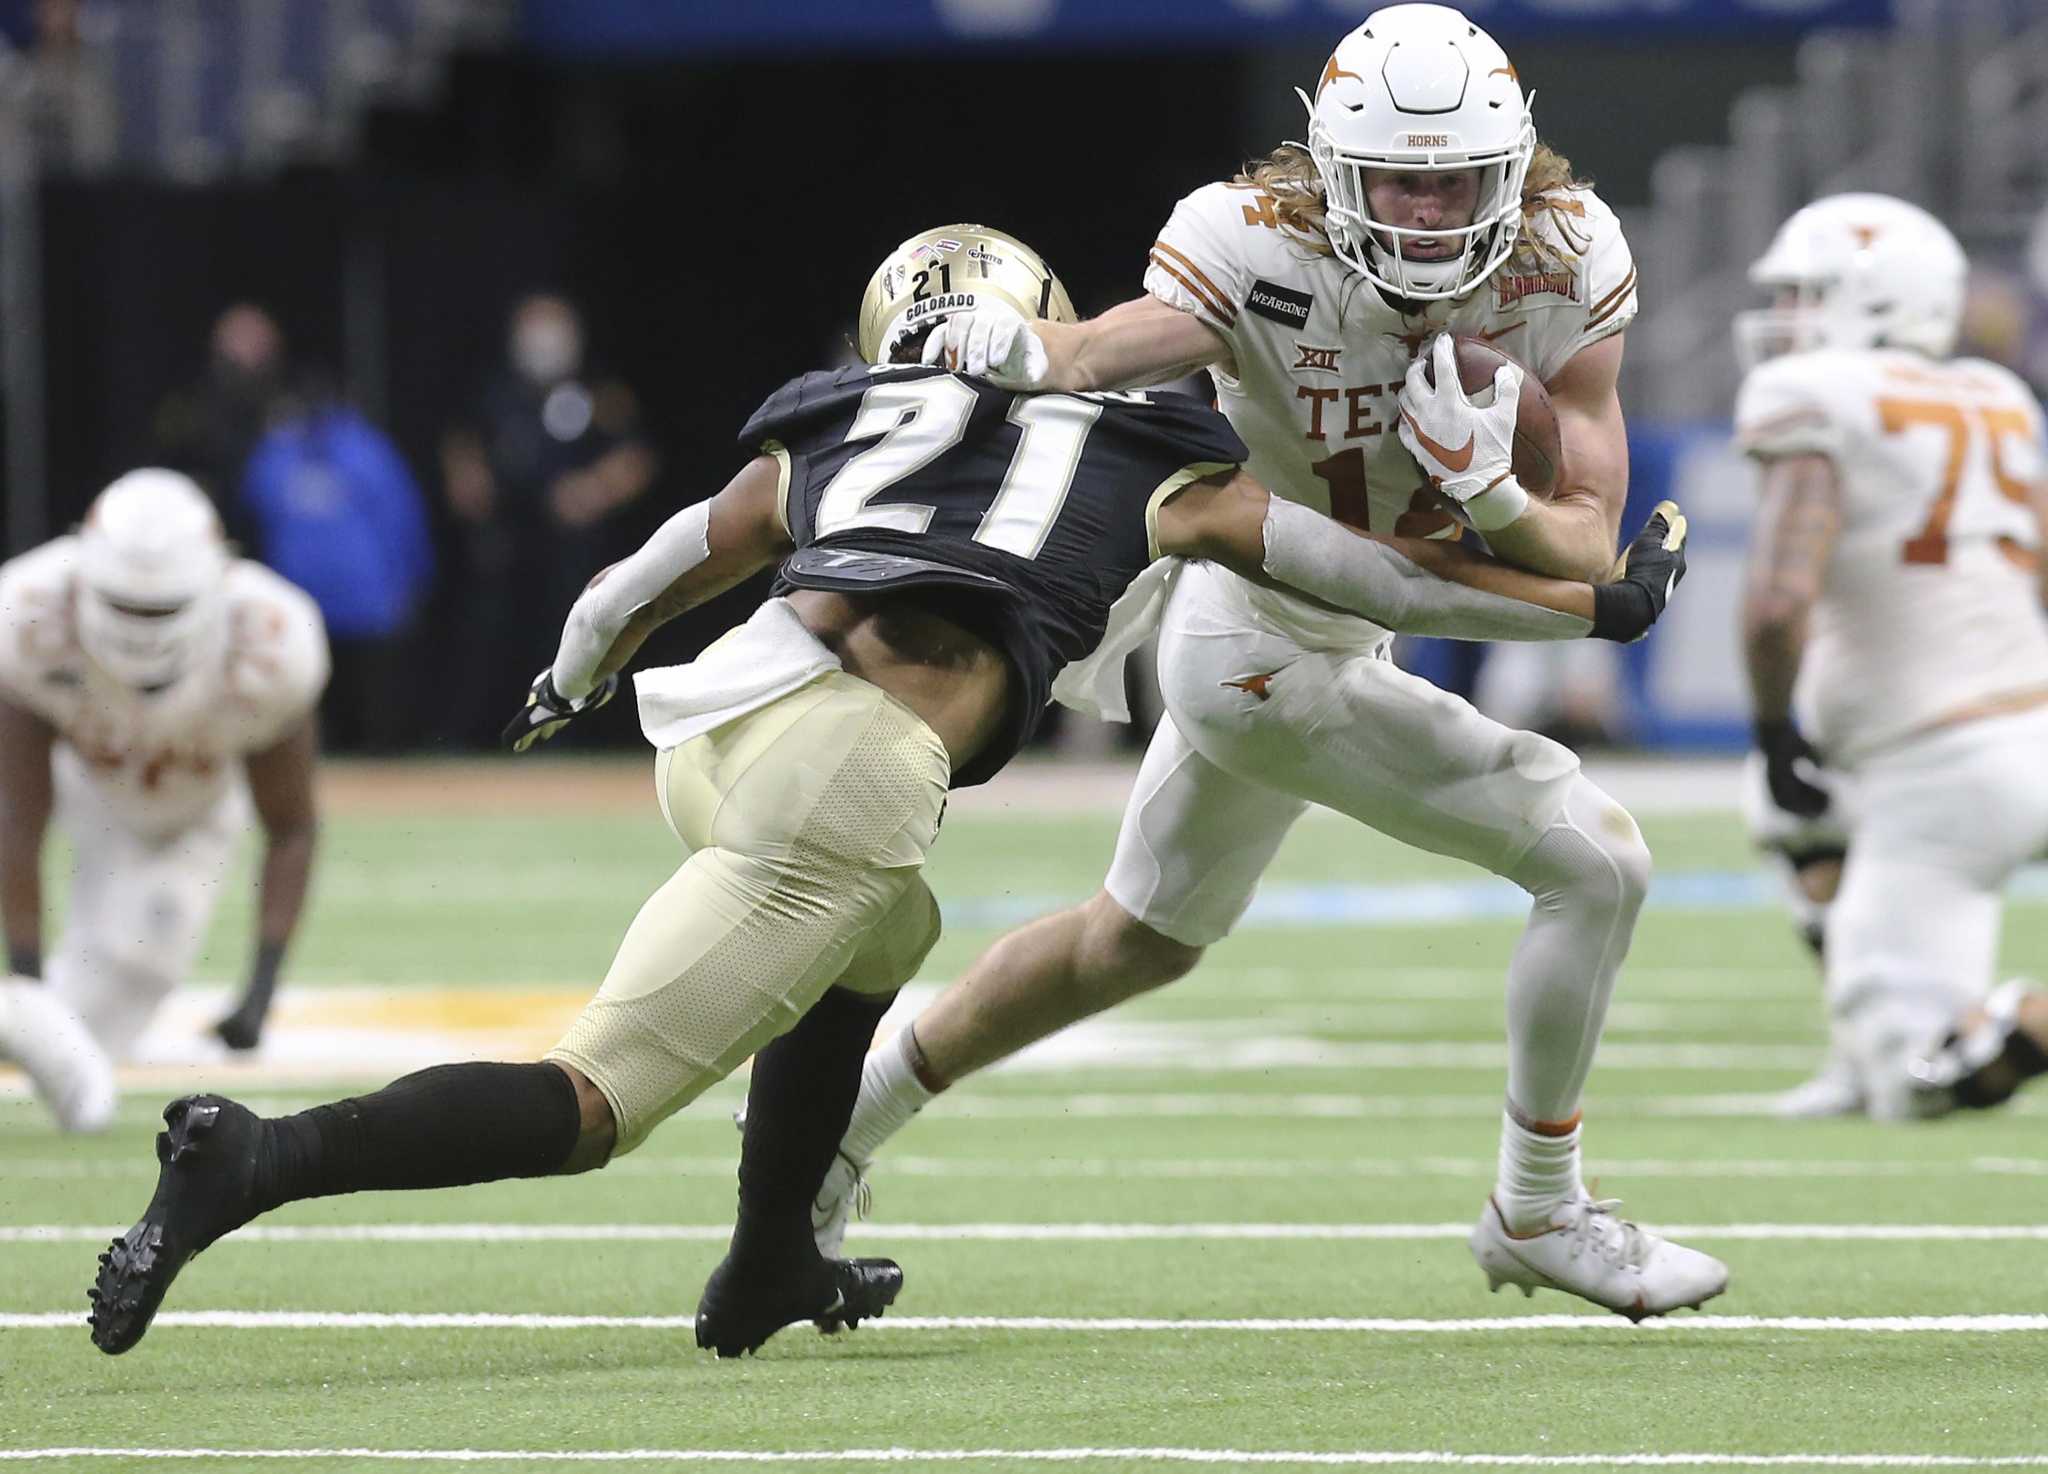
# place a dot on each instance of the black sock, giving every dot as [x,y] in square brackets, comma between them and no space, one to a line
[444,1127]
[798,1103]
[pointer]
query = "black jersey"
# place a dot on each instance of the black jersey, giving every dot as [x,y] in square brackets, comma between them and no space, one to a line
[1022,515]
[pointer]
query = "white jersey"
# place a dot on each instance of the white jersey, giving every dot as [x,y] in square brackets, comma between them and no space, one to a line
[1929,603]
[161,761]
[1320,356]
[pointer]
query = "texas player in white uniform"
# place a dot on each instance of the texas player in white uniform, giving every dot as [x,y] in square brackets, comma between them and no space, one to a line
[1893,625]
[151,686]
[1307,288]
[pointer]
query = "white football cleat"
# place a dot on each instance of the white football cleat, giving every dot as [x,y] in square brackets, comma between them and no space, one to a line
[1590,1252]
[63,1061]
[843,1197]
[1836,1091]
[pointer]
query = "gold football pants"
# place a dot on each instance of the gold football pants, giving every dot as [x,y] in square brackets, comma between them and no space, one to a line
[808,822]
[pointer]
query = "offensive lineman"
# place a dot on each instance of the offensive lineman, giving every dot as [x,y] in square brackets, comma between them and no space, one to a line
[945,546]
[1894,632]
[1423,202]
[152,686]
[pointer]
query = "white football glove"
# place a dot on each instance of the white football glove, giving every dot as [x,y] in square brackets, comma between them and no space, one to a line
[1467,450]
[990,341]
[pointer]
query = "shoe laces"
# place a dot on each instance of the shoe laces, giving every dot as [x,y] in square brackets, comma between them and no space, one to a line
[1594,1222]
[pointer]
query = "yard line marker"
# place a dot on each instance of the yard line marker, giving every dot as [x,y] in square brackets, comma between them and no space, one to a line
[373,1320]
[1229,1456]
[654,1164]
[663,1233]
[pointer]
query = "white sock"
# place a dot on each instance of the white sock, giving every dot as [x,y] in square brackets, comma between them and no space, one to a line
[1538,1175]
[890,1094]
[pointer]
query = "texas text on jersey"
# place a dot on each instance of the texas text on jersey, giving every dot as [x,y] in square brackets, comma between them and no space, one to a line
[161,759]
[1319,354]
[1930,603]
[1022,515]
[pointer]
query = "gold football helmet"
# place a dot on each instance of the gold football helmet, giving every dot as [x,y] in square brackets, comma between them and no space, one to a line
[937,273]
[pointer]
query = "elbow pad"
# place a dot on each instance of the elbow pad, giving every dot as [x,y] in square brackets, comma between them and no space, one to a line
[601,612]
[1308,552]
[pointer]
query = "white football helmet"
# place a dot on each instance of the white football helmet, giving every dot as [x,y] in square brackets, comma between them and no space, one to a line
[1857,271]
[1421,89]
[152,569]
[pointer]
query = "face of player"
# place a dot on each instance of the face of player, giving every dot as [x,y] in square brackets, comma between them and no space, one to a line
[1434,199]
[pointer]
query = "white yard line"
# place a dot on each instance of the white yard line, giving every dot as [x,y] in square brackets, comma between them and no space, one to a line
[691,1233]
[1232,1457]
[1195,1169]
[1226,1456]
[363,1320]
[145,1105]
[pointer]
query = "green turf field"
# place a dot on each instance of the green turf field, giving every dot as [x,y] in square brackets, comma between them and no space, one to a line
[1223,1229]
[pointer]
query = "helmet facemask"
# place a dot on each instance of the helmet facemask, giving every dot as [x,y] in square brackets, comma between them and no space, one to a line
[151,600]
[1375,249]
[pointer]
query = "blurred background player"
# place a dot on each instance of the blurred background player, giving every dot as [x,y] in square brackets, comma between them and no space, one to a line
[945,547]
[1893,627]
[1423,205]
[152,686]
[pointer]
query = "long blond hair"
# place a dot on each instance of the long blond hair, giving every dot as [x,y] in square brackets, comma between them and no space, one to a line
[1288,175]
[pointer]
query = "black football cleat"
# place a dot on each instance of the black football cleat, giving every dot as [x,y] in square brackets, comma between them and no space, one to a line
[204,1188]
[737,1315]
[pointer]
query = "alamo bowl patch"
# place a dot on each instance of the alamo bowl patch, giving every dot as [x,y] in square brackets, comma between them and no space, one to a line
[1512,283]
[1280,304]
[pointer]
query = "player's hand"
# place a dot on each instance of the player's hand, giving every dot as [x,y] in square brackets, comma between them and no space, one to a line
[546,712]
[1791,769]
[991,341]
[1465,449]
[1635,594]
[242,1030]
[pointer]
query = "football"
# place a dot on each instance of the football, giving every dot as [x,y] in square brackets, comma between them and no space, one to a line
[1539,449]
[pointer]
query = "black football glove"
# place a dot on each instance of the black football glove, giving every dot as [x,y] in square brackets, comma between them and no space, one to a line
[242,1030]
[1626,606]
[546,713]
[1785,751]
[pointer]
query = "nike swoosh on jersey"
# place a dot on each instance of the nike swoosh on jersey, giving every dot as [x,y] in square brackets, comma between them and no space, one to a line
[1452,460]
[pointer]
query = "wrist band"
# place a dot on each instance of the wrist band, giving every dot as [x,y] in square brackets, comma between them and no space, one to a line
[1498,505]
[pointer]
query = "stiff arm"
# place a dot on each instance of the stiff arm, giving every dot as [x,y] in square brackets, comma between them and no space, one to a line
[1411,585]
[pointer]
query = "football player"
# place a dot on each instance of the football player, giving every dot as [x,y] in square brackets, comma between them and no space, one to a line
[152,687]
[1422,205]
[945,547]
[1894,634]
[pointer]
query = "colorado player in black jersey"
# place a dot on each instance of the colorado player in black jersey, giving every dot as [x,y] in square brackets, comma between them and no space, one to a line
[945,547]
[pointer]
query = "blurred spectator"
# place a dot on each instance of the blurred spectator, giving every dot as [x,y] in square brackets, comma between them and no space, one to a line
[335,510]
[209,430]
[536,476]
[72,107]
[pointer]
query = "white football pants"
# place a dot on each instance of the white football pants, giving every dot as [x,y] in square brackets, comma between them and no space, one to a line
[1941,824]
[139,905]
[1258,727]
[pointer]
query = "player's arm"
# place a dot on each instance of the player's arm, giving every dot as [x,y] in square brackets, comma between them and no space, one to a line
[696,555]
[281,785]
[1797,525]
[1143,341]
[1415,585]
[1572,533]
[25,802]
[2037,496]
